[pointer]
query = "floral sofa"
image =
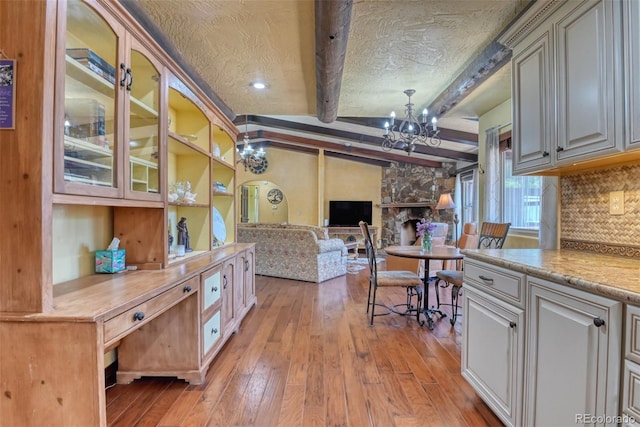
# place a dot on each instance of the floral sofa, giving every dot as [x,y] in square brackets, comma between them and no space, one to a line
[300,252]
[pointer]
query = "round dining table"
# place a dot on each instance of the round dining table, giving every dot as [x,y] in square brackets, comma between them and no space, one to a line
[440,253]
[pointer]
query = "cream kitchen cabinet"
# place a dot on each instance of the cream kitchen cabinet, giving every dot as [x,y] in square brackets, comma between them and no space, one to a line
[573,354]
[567,79]
[631,373]
[493,352]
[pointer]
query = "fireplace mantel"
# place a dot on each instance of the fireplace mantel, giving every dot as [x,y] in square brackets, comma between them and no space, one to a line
[426,204]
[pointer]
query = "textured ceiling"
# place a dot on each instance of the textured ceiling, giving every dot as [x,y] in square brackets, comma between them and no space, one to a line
[393,45]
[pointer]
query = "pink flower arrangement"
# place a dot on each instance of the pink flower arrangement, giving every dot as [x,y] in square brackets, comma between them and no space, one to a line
[424,226]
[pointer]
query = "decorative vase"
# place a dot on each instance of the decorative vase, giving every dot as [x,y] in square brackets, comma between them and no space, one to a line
[427,243]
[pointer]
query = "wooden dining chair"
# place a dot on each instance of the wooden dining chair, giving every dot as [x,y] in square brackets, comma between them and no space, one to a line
[406,279]
[492,235]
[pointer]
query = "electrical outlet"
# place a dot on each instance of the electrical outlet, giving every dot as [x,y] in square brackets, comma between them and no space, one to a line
[616,203]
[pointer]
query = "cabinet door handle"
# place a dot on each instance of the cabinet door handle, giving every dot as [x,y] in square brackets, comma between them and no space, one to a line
[559,149]
[214,331]
[138,315]
[512,325]
[186,289]
[598,322]
[225,282]
[130,79]
[486,279]
[545,154]
[246,265]
[123,75]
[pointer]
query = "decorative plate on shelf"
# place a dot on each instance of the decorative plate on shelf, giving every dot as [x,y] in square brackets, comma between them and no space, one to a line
[219,228]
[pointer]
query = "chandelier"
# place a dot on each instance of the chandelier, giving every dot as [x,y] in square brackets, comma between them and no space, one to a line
[249,157]
[411,130]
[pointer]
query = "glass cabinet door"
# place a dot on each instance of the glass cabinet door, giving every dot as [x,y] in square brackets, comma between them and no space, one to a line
[143,85]
[89,152]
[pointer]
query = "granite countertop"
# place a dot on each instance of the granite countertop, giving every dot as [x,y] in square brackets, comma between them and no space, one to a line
[606,275]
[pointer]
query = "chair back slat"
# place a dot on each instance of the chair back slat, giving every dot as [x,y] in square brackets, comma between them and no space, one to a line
[493,235]
[368,245]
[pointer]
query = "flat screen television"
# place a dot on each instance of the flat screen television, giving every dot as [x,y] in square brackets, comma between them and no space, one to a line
[349,213]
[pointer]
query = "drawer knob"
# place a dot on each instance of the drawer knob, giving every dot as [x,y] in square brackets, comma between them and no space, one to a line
[138,315]
[186,289]
[559,149]
[214,289]
[214,331]
[598,322]
[486,279]
[512,325]
[545,154]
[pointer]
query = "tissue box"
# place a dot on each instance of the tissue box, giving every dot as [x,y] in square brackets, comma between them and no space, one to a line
[110,261]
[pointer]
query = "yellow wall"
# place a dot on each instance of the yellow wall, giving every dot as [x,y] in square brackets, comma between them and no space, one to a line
[297,175]
[499,116]
[347,180]
[78,231]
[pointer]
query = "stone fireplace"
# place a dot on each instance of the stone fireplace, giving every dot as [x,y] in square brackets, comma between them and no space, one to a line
[410,193]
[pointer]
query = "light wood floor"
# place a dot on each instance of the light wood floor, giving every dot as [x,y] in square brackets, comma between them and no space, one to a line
[306,356]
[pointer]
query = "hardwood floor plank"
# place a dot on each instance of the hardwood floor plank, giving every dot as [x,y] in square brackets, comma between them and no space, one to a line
[335,399]
[314,394]
[291,409]
[162,405]
[180,409]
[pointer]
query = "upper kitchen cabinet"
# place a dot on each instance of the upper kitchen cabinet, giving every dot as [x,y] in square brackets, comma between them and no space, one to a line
[567,80]
[632,76]
[108,108]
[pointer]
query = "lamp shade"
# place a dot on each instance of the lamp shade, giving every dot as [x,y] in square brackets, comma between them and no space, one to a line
[445,202]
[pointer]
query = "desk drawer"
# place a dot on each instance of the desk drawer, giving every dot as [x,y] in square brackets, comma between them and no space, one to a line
[124,323]
[211,287]
[211,333]
[500,282]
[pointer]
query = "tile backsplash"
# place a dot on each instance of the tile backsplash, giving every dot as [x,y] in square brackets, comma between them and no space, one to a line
[586,223]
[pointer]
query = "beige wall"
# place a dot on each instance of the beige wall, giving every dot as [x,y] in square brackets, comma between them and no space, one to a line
[499,116]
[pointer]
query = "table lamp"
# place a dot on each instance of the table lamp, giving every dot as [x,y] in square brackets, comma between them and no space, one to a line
[446,202]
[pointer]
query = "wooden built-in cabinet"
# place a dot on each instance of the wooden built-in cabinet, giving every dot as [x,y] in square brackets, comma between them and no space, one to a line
[97,151]
[573,77]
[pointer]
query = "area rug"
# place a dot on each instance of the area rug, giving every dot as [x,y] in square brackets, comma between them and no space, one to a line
[355,265]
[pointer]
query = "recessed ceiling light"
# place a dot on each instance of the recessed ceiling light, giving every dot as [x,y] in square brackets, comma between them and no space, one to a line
[259,85]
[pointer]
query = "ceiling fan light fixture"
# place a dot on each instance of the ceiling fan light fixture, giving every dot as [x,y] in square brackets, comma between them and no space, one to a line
[411,130]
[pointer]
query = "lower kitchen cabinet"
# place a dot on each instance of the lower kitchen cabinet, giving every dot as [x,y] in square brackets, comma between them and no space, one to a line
[493,352]
[574,350]
[546,359]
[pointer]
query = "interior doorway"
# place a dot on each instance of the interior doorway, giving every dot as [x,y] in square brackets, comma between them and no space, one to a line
[263,201]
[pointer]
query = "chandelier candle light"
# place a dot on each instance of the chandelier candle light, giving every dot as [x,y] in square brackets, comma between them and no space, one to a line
[248,156]
[410,130]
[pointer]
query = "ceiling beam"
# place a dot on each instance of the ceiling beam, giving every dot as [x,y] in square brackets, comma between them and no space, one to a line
[453,155]
[332,22]
[335,147]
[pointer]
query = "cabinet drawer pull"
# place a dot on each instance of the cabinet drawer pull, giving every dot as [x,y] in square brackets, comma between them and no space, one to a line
[186,289]
[545,154]
[138,315]
[512,325]
[214,331]
[486,279]
[214,289]
[559,149]
[225,282]
[598,322]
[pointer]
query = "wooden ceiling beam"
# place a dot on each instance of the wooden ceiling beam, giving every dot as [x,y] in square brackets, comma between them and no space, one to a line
[332,22]
[356,137]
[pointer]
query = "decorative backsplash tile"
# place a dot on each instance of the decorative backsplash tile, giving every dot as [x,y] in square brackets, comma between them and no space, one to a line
[586,223]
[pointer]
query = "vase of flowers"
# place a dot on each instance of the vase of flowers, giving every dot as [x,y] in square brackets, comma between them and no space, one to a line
[424,229]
